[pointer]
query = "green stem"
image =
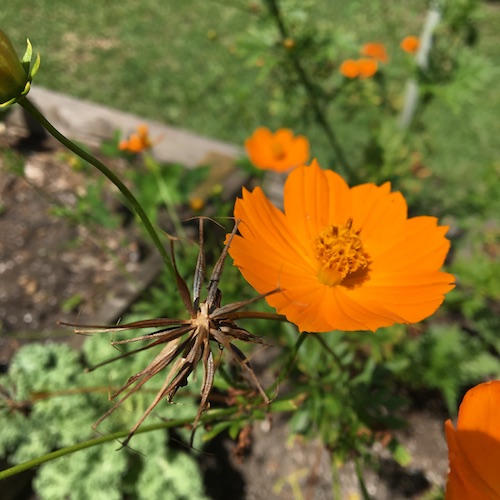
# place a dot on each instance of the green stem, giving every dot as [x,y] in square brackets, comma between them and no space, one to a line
[208,417]
[329,350]
[32,109]
[293,356]
[166,195]
[336,485]
[285,372]
[311,92]
[361,481]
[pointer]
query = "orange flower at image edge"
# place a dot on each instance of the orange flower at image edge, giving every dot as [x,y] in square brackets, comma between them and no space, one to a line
[343,258]
[474,446]
[280,151]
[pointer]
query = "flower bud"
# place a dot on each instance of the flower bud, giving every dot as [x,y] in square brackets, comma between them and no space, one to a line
[15,74]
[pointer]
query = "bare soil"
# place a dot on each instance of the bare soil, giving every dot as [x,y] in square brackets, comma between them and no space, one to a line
[51,266]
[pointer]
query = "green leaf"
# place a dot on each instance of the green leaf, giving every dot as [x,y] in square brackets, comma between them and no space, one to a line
[399,453]
[216,430]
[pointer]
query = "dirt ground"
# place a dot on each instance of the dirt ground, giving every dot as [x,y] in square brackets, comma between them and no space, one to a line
[52,267]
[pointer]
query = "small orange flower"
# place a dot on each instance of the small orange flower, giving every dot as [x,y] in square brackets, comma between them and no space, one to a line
[137,142]
[360,68]
[349,68]
[410,44]
[197,203]
[343,258]
[375,51]
[367,68]
[280,151]
[474,446]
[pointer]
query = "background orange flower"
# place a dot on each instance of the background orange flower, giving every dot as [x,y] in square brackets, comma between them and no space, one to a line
[137,142]
[367,68]
[376,51]
[410,44]
[349,68]
[280,151]
[362,68]
[344,258]
[474,446]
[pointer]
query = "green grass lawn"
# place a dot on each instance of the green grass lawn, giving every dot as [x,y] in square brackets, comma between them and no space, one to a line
[182,63]
[170,61]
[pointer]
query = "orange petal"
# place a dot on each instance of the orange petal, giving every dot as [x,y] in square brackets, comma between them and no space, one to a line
[463,483]
[474,447]
[420,245]
[349,68]
[284,136]
[410,44]
[258,146]
[267,248]
[478,431]
[263,145]
[367,68]
[300,150]
[315,199]
[405,300]
[371,316]
[375,50]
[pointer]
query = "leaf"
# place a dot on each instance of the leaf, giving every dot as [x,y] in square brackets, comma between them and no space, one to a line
[399,453]
[216,430]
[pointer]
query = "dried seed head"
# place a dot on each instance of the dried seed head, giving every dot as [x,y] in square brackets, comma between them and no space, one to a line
[188,341]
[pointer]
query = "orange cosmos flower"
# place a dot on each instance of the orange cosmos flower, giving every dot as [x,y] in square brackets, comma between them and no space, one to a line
[410,44]
[367,68]
[343,258]
[474,446]
[375,51]
[280,151]
[362,68]
[349,68]
[137,142]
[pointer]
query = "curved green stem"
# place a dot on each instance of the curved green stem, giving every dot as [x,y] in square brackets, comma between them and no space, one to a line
[361,480]
[166,195]
[33,110]
[329,350]
[287,368]
[208,417]
[293,356]
[311,91]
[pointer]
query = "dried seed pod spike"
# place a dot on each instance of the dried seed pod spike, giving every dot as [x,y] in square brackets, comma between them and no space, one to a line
[199,272]
[216,275]
[182,286]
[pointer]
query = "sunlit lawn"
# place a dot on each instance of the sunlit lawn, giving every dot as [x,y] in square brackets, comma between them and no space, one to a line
[182,63]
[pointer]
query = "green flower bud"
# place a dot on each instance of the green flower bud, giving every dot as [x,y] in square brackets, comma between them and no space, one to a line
[15,74]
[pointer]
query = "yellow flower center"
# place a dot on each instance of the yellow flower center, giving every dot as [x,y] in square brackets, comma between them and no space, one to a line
[278,151]
[339,250]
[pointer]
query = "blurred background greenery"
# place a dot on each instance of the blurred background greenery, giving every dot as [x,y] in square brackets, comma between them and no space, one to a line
[203,65]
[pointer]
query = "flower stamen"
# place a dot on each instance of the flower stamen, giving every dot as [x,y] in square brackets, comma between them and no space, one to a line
[278,151]
[339,250]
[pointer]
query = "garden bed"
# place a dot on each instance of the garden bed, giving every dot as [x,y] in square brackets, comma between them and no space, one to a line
[55,268]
